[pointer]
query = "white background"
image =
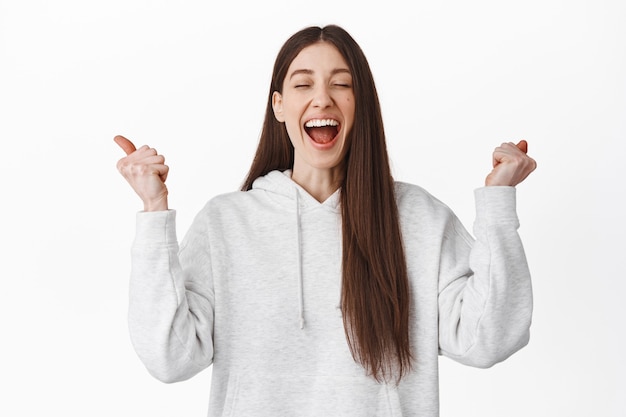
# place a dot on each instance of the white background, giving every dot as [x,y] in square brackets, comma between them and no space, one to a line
[190,78]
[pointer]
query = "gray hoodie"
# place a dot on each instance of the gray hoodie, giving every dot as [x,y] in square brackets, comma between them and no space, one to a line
[254,289]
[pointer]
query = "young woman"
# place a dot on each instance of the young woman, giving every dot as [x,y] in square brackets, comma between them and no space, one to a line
[324,287]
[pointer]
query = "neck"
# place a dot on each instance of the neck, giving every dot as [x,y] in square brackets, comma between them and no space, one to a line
[319,183]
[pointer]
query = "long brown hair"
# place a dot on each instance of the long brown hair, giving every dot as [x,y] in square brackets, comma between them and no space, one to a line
[375,296]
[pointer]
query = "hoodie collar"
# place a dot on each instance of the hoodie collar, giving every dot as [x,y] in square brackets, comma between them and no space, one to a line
[280,183]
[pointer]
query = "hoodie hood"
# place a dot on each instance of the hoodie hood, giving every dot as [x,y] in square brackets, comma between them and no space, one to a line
[281,184]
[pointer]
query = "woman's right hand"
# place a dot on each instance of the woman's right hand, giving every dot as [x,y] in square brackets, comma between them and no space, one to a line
[146,172]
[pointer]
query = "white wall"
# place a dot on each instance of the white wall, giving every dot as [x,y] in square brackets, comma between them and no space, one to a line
[455,78]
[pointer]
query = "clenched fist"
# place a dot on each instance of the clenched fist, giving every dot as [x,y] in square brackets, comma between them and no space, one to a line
[146,172]
[511,164]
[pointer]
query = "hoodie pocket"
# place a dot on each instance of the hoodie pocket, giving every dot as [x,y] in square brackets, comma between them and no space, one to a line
[308,396]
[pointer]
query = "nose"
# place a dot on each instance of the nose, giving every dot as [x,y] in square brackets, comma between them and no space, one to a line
[322,98]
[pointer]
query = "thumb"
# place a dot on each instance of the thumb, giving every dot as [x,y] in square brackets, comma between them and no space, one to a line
[125,144]
[523,146]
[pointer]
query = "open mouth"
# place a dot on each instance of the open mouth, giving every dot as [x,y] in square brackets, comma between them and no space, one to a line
[322,131]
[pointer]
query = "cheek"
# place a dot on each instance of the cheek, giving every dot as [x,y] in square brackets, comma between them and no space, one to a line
[349,106]
[293,130]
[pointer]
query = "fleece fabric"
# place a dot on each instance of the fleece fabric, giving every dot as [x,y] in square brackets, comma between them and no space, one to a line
[254,290]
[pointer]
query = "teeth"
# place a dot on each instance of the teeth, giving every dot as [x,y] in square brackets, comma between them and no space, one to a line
[321,123]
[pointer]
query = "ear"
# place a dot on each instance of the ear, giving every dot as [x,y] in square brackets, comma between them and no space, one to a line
[277,106]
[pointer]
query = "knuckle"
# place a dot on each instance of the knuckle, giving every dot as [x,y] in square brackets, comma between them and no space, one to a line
[136,169]
[122,164]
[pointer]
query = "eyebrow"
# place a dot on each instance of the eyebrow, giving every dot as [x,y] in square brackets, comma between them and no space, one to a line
[309,72]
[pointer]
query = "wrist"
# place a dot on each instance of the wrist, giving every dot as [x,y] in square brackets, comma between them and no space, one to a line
[158,205]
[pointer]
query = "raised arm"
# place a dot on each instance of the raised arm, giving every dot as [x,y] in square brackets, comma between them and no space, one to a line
[171,301]
[485,298]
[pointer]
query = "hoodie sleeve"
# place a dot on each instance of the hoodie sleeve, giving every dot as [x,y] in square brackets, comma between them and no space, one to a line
[485,295]
[171,298]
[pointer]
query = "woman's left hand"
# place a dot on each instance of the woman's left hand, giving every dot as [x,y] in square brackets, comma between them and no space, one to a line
[511,164]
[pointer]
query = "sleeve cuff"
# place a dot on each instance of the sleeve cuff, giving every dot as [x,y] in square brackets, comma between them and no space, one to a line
[496,205]
[156,227]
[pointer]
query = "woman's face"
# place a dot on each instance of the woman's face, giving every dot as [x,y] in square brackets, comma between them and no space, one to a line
[317,107]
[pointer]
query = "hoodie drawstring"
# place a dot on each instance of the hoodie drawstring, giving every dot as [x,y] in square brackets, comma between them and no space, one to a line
[281,185]
[299,261]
